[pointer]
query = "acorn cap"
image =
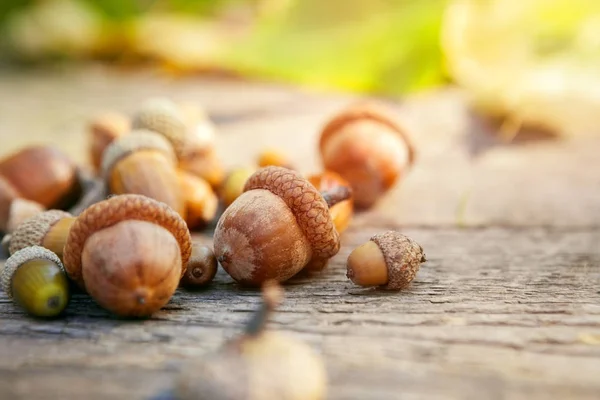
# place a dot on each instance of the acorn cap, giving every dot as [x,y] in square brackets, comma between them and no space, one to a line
[33,230]
[163,116]
[403,257]
[21,257]
[368,110]
[136,140]
[307,205]
[117,209]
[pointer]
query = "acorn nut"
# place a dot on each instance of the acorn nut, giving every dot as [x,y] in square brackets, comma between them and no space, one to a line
[277,227]
[35,279]
[368,148]
[48,229]
[260,364]
[233,185]
[342,212]
[103,130]
[190,132]
[143,162]
[42,174]
[273,157]
[201,268]
[389,260]
[129,253]
[201,202]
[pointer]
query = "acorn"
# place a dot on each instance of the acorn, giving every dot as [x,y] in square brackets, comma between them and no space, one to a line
[48,229]
[143,162]
[201,202]
[259,364]
[342,212]
[103,130]
[201,268]
[35,279]
[274,157]
[190,132]
[279,226]
[42,174]
[233,185]
[369,148]
[129,253]
[389,260]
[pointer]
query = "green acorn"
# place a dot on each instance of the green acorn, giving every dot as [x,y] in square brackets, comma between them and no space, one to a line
[35,279]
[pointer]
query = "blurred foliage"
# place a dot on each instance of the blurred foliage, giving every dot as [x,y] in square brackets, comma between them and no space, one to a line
[530,62]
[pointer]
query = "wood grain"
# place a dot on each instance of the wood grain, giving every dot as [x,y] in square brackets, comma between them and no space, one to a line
[507,307]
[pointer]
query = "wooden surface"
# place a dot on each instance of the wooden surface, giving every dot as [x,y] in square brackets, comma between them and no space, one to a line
[507,307]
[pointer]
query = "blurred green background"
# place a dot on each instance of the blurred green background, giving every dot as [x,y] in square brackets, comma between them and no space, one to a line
[529,62]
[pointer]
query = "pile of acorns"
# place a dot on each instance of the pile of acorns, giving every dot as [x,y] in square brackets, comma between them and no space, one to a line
[122,234]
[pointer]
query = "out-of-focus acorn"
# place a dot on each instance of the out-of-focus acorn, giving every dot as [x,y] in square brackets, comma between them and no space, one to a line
[368,148]
[190,132]
[48,229]
[35,279]
[275,158]
[201,202]
[103,130]
[341,213]
[233,185]
[389,260]
[129,253]
[201,268]
[260,364]
[143,162]
[42,174]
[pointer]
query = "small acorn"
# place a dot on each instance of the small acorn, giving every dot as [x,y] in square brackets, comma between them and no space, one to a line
[273,157]
[233,185]
[190,132]
[201,202]
[279,226]
[48,229]
[143,162]
[201,268]
[35,279]
[389,260]
[260,364]
[342,212]
[129,253]
[103,130]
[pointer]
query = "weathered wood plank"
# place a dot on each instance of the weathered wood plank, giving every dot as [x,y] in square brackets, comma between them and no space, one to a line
[496,313]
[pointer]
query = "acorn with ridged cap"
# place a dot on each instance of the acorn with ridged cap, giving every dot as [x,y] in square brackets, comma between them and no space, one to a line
[279,226]
[190,132]
[129,253]
[143,162]
[48,229]
[35,279]
[389,260]
[259,364]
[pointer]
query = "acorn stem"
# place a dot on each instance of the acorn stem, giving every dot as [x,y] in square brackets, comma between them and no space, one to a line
[336,195]
[272,294]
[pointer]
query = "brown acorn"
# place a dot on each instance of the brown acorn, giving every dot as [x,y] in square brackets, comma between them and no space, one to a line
[201,202]
[41,174]
[143,162]
[389,260]
[201,268]
[129,253]
[103,130]
[342,212]
[369,148]
[277,227]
